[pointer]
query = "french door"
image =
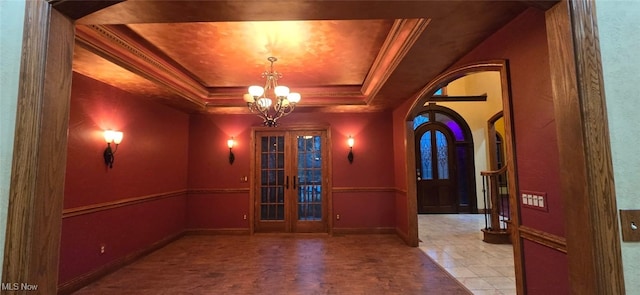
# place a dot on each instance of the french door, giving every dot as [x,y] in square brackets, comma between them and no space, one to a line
[291,181]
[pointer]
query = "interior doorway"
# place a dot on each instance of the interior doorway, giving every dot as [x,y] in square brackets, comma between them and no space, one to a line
[290,181]
[476,115]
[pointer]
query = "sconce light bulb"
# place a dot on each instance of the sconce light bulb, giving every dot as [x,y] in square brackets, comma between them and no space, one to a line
[350,141]
[108,136]
[230,143]
[117,137]
[113,136]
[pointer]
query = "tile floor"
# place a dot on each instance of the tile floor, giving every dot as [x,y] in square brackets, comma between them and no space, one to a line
[455,243]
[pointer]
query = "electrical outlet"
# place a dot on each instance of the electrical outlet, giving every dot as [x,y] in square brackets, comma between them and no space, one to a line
[337,216]
[244,217]
[102,249]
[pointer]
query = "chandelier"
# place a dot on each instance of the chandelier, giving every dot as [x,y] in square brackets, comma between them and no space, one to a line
[271,102]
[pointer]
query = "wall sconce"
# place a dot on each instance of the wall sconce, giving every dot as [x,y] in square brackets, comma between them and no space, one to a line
[115,137]
[350,142]
[230,144]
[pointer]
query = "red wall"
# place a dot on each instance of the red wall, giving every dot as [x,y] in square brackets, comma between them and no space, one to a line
[152,159]
[524,43]
[210,169]
[545,270]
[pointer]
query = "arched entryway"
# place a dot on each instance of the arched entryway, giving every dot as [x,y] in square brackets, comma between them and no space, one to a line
[445,177]
[422,100]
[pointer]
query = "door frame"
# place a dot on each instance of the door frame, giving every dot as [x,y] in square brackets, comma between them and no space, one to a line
[34,218]
[253,175]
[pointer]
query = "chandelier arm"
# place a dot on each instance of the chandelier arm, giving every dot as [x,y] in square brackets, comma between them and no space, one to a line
[288,110]
[264,112]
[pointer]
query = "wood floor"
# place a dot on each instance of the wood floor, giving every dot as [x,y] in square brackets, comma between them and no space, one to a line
[281,264]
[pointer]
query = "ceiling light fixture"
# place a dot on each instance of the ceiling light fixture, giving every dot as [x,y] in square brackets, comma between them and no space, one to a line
[261,99]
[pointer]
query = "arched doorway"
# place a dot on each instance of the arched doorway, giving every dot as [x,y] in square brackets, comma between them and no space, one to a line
[444,162]
[422,100]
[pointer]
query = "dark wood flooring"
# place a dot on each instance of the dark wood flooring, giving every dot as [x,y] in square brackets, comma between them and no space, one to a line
[281,264]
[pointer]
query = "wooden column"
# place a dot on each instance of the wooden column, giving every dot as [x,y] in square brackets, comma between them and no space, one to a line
[593,243]
[39,161]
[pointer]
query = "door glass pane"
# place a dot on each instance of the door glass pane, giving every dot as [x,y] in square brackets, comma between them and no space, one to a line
[443,155]
[419,120]
[425,155]
[309,178]
[272,178]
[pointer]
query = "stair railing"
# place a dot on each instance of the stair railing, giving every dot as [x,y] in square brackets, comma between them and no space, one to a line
[497,212]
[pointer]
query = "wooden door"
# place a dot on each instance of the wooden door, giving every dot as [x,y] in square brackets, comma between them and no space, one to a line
[436,180]
[291,181]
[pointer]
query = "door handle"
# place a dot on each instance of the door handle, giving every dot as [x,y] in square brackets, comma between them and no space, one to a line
[294,182]
[286,183]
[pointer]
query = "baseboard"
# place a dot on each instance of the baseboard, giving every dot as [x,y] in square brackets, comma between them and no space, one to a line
[217,231]
[364,230]
[90,277]
[403,236]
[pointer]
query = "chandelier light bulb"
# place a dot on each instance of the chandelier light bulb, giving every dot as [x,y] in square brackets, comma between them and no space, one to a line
[281,91]
[293,97]
[264,102]
[256,91]
[248,98]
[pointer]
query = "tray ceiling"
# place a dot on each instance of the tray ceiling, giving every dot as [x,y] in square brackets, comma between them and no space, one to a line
[200,56]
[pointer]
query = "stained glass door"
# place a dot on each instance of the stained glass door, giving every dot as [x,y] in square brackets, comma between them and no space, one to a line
[291,182]
[437,190]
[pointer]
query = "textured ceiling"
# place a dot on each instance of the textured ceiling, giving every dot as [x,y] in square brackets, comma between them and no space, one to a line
[234,54]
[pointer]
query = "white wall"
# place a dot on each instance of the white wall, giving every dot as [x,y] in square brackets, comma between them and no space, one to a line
[11,26]
[618,25]
[476,114]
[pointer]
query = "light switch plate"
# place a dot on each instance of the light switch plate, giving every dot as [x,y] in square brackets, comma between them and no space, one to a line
[628,218]
[535,200]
